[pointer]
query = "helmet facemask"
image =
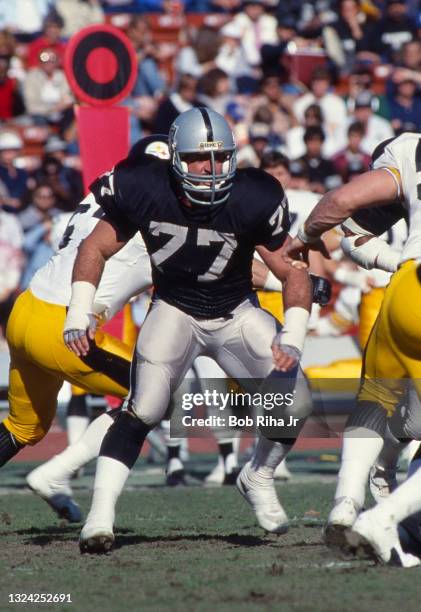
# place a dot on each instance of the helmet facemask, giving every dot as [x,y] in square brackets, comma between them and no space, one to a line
[197,133]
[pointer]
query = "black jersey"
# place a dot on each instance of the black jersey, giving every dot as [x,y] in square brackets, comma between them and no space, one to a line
[201,256]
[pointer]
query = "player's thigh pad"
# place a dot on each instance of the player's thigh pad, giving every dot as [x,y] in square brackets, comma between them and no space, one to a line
[383,370]
[166,349]
[32,401]
[245,350]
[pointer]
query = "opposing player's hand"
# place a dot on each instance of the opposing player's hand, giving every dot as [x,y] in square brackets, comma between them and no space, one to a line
[285,356]
[297,251]
[78,330]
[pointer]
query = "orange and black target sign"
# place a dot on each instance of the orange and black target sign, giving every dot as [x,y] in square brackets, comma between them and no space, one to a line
[100,65]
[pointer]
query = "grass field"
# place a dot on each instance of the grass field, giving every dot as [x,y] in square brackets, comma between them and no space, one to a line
[195,549]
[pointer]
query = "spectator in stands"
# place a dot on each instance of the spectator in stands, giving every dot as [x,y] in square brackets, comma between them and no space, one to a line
[49,39]
[16,68]
[24,18]
[270,94]
[352,160]
[321,173]
[405,107]
[66,182]
[231,58]
[361,80]
[388,35]
[78,14]
[37,222]
[42,207]
[258,28]
[409,67]
[16,180]
[251,154]
[235,114]
[376,128]
[11,100]
[214,90]
[332,106]
[273,53]
[347,36]
[46,91]
[149,82]
[411,55]
[200,55]
[184,98]
[294,138]
[11,260]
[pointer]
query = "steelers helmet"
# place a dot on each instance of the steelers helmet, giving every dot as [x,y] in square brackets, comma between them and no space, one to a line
[203,131]
[155,145]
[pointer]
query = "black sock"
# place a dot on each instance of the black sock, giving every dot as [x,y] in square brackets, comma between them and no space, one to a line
[124,439]
[77,406]
[9,447]
[225,449]
[173,452]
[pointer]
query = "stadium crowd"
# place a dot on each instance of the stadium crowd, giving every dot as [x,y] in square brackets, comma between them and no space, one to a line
[322,82]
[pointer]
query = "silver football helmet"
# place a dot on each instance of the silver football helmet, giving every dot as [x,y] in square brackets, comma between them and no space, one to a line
[203,131]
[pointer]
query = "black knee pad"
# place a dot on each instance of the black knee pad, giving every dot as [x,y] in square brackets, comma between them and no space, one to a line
[369,415]
[124,439]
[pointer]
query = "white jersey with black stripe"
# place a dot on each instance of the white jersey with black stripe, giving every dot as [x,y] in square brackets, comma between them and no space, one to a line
[402,157]
[125,275]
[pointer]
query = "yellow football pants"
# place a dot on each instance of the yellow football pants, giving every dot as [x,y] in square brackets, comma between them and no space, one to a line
[272,302]
[369,309]
[393,352]
[40,362]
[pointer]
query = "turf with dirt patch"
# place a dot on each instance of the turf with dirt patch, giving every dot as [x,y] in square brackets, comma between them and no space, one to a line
[194,549]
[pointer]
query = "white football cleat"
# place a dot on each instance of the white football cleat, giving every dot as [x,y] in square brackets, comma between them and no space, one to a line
[342,516]
[57,493]
[263,499]
[282,472]
[96,539]
[382,482]
[375,534]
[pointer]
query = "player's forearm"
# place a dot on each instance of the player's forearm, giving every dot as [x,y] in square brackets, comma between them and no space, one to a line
[331,211]
[297,289]
[89,264]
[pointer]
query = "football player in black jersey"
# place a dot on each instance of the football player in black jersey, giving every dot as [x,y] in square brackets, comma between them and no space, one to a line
[201,220]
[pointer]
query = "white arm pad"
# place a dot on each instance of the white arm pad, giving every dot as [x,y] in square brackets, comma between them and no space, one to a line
[354,278]
[272,283]
[81,306]
[294,330]
[375,253]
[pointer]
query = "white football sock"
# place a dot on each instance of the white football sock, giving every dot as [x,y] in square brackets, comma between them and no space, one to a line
[360,450]
[76,427]
[62,467]
[267,456]
[110,479]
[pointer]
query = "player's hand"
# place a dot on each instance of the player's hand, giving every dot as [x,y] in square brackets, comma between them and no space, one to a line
[297,251]
[285,356]
[79,329]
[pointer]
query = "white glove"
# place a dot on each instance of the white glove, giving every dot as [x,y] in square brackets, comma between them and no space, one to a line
[78,324]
